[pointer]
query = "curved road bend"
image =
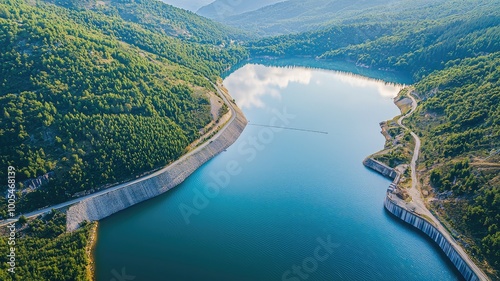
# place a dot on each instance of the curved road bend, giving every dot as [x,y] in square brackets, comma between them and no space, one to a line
[418,201]
[234,113]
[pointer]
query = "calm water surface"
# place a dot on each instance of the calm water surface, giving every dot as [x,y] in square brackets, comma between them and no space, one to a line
[282,197]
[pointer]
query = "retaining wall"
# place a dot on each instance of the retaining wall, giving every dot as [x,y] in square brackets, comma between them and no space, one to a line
[104,205]
[420,223]
[431,231]
[383,169]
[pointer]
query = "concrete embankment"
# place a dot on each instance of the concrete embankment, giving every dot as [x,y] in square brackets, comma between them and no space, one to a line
[394,207]
[431,231]
[104,205]
[383,169]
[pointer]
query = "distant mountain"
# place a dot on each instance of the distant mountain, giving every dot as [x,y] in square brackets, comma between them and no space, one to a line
[157,16]
[299,15]
[191,5]
[409,37]
[221,9]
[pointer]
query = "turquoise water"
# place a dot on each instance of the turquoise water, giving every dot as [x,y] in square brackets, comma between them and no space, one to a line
[291,205]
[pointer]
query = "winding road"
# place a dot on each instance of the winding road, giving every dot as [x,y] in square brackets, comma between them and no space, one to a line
[234,114]
[417,204]
[414,190]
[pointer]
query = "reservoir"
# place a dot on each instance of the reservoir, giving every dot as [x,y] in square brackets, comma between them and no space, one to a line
[290,200]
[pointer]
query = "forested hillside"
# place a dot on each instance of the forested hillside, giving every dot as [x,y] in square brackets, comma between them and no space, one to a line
[298,16]
[92,96]
[295,16]
[156,16]
[388,40]
[422,48]
[459,121]
[47,252]
[191,5]
[179,36]
[221,9]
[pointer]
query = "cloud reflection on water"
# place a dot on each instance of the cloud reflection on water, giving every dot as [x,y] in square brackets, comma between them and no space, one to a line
[254,82]
[386,90]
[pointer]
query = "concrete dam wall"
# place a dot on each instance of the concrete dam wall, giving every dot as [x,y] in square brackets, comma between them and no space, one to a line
[435,235]
[104,205]
[383,169]
[420,223]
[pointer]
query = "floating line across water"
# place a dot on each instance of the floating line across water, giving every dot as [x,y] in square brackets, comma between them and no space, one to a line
[288,128]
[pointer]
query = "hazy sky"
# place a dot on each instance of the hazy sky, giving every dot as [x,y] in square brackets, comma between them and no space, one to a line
[192,5]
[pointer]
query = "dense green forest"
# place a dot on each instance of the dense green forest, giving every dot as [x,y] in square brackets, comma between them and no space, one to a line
[221,9]
[391,41]
[428,47]
[91,95]
[97,96]
[459,121]
[156,16]
[44,251]
[294,16]
[179,36]
[297,16]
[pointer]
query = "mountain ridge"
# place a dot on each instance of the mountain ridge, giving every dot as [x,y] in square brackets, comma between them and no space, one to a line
[222,9]
[295,16]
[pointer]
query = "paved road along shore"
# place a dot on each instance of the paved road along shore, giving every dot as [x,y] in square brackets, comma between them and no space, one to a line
[417,205]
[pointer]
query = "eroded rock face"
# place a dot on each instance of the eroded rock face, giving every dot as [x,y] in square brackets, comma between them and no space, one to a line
[36,183]
[104,205]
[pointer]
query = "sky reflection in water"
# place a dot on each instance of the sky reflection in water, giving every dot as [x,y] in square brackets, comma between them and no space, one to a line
[255,82]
